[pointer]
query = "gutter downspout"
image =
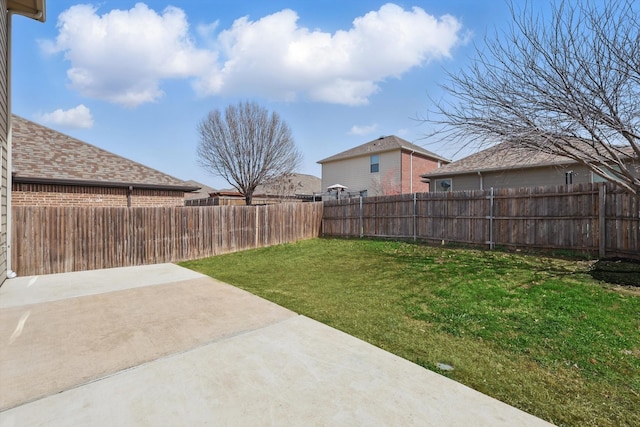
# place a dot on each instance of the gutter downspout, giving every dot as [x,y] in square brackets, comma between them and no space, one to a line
[10,274]
[481,180]
[411,171]
[129,195]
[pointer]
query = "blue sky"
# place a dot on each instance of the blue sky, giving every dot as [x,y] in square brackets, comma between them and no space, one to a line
[136,78]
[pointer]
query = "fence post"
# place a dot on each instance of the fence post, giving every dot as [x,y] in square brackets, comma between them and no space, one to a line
[490,218]
[322,219]
[361,222]
[415,213]
[602,211]
[257,225]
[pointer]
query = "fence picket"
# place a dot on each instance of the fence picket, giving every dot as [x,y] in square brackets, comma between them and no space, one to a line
[49,240]
[594,218]
[570,217]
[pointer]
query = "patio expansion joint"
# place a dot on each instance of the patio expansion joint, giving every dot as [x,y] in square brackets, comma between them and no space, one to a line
[169,356]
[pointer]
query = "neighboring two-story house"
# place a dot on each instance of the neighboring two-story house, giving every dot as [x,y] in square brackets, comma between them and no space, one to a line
[384,166]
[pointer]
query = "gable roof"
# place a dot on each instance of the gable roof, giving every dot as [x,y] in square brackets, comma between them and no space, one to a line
[503,156]
[384,143]
[509,155]
[295,183]
[202,193]
[43,155]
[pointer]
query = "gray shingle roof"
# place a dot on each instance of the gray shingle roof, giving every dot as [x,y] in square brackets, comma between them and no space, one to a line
[385,143]
[296,183]
[41,154]
[202,193]
[502,156]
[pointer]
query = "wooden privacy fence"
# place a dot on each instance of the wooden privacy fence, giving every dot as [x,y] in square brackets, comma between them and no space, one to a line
[61,239]
[595,218]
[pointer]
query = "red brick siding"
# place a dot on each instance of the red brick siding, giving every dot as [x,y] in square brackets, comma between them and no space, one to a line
[66,195]
[154,198]
[420,166]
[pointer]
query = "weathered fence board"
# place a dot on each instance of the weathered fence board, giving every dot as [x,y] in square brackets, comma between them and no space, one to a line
[595,218]
[61,239]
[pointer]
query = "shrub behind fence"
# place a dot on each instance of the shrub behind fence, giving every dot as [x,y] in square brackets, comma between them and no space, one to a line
[49,240]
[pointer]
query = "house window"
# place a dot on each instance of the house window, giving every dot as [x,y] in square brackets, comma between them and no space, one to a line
[375,163]
[443,184]
[568,177]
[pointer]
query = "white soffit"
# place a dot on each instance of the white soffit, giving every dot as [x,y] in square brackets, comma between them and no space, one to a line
[34,9]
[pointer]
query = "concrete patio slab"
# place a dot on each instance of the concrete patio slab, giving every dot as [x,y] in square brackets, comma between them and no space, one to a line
[57,345]
[52,287]
[199,352]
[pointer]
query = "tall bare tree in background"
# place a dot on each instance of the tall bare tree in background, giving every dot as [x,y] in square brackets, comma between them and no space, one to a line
[247,146]
[569,85]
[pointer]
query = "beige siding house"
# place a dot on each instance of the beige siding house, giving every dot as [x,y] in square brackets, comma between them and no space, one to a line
[54,169]
[387,165]
[34,9]
[508,166]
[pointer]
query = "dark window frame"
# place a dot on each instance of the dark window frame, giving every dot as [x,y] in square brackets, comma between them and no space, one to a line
[448,184]
[374,167]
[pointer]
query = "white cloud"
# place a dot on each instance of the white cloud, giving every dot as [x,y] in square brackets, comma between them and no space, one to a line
[78,117]
[363,130]
[123,56]
[276,58]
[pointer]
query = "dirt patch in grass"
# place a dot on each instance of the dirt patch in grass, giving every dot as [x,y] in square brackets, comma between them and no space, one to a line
[617,271]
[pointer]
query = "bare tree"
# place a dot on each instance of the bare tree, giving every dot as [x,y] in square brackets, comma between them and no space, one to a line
[388,184]
[282,187]
[568,86]
[247,146]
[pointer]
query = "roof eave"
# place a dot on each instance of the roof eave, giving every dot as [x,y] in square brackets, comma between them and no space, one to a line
[502,169]
[369,153]
[353,156]
[431,156]
[87,183]
[34,9]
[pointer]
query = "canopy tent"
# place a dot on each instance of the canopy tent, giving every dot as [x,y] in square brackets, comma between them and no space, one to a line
[336,187]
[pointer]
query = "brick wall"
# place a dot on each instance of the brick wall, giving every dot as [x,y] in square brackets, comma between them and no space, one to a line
[155,198]
[67,195]
[420,165]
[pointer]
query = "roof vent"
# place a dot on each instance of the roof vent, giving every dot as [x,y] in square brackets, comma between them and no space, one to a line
[382,137]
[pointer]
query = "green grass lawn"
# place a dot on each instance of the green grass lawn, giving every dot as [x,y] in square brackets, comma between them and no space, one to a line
[532,331]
